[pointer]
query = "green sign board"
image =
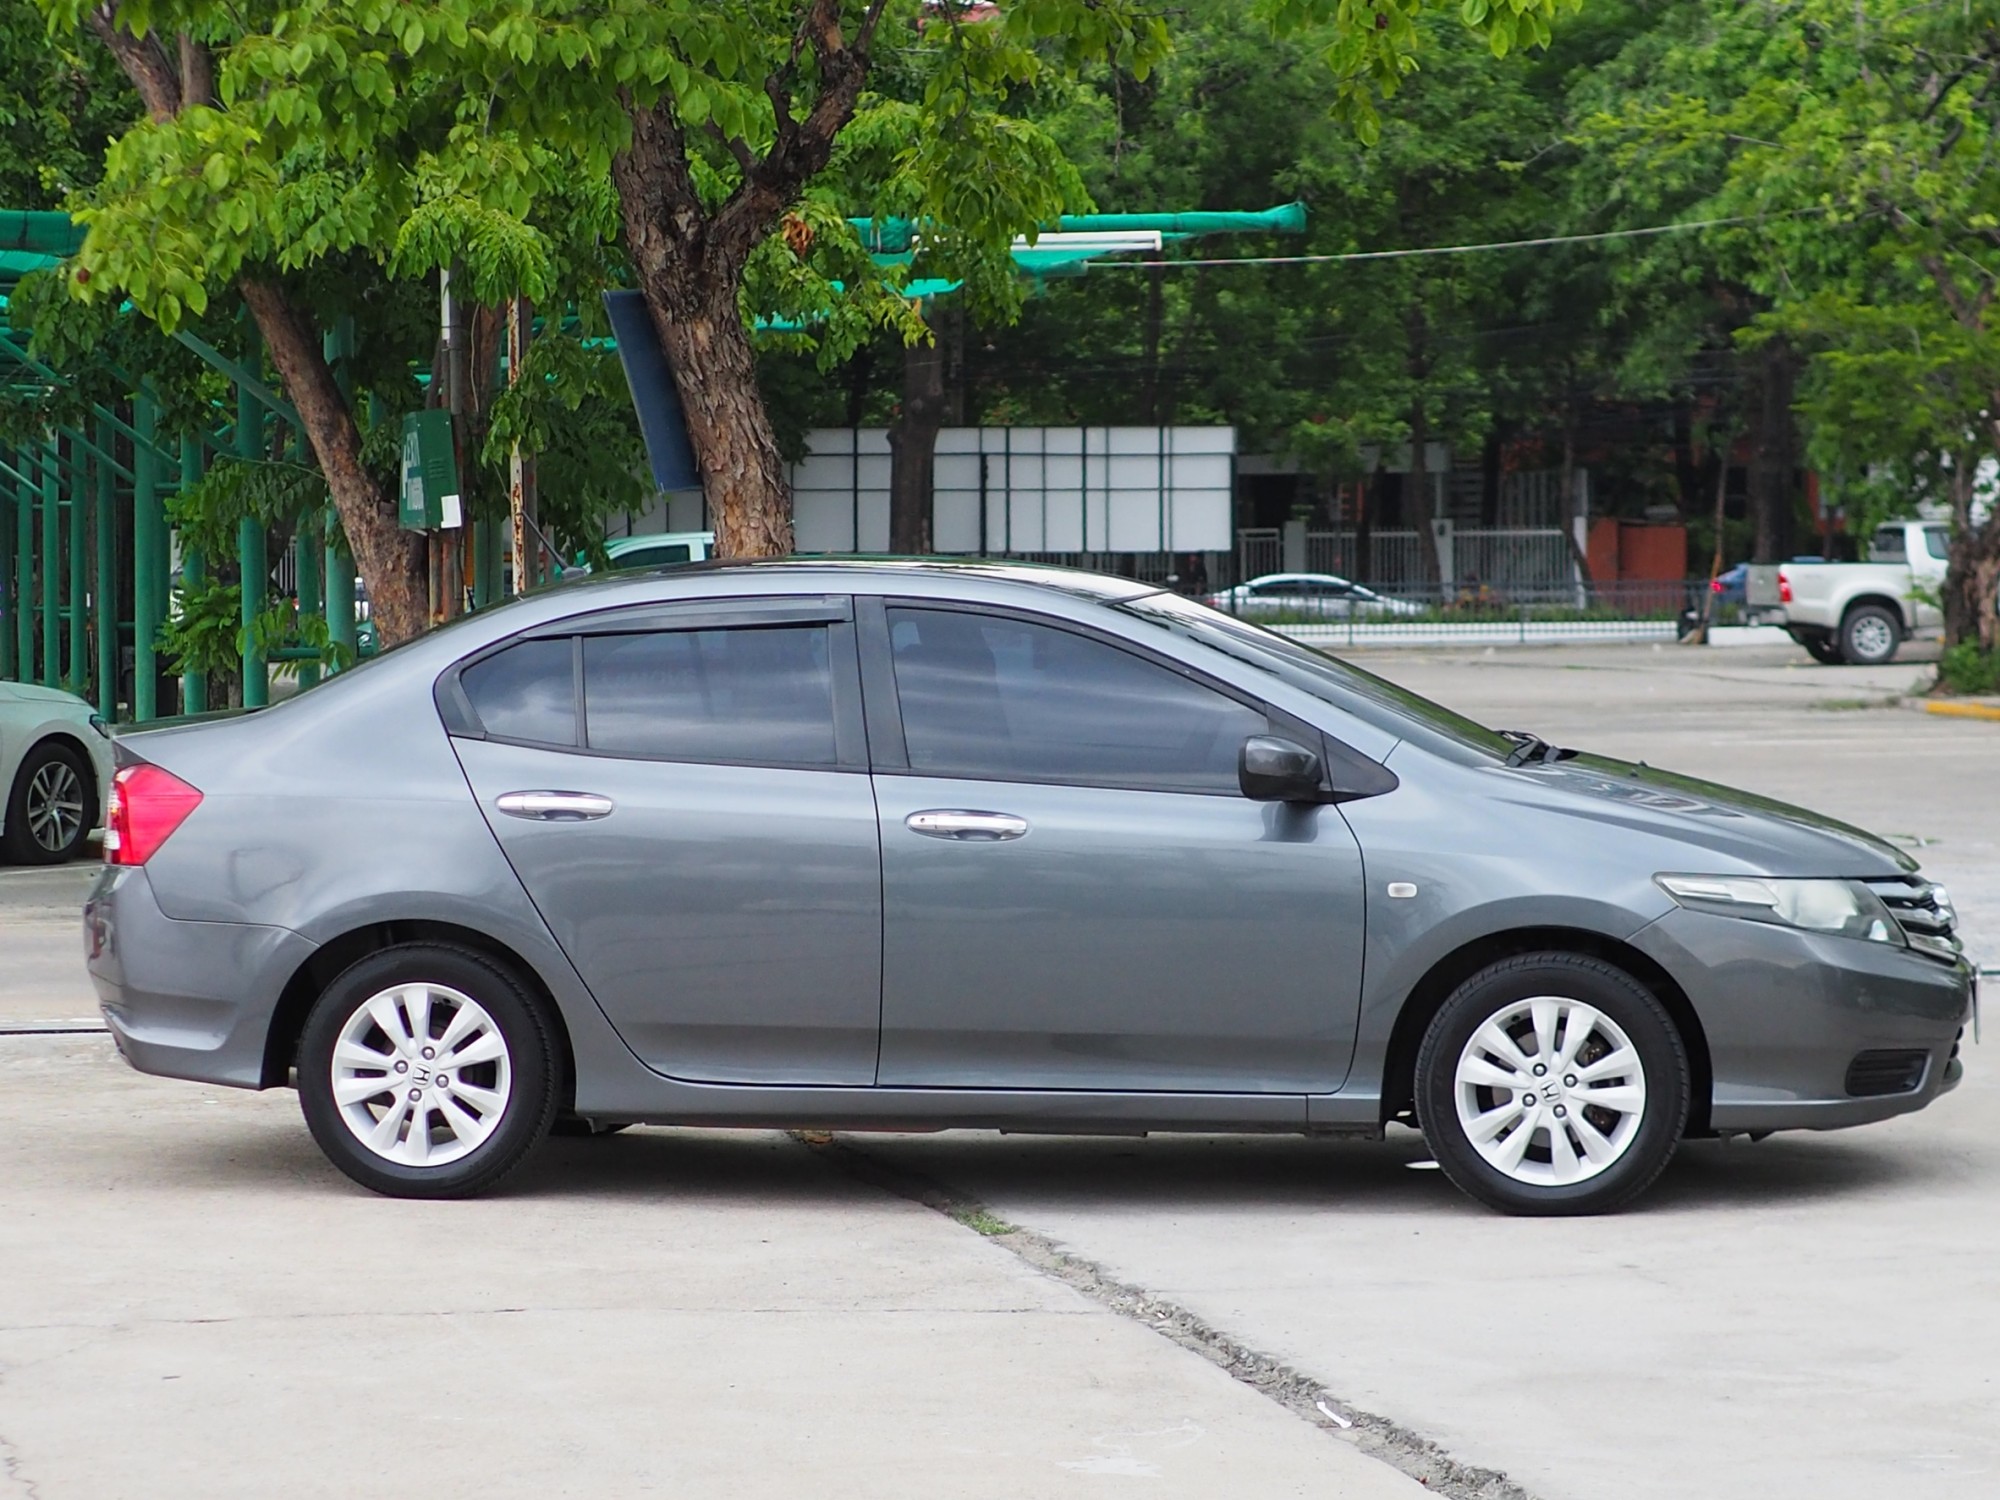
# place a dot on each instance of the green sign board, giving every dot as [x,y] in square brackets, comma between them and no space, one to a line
[429,497]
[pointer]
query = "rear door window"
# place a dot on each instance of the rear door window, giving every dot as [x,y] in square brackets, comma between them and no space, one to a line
[526,692]
[1000,698]
[755,695]
[1937,542]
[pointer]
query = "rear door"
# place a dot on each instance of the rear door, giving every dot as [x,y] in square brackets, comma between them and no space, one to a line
[1076,894]
[683,791]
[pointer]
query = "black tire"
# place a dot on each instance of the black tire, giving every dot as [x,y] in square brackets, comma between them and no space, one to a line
[1823,649]
[577,1126]
[1490,995]
[1870,636]
[45,769]
[530,1091]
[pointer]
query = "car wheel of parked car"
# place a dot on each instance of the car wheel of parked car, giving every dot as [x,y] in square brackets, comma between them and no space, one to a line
[426,1071]
[1552,1083]
[1870,635]
[50,807]
[1823,649]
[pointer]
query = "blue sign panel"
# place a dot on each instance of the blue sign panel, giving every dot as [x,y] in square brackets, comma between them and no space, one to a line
[653,394]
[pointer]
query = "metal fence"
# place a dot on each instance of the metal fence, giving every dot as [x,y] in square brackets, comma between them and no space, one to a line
[1511,558]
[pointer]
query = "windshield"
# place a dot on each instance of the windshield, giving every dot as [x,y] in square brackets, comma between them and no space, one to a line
[1391,709]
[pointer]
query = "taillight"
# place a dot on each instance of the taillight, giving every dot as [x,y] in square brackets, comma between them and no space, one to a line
[145,806]
[1784,587]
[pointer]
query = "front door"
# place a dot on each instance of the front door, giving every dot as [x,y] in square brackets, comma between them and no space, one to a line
[1075,893]
[687,803]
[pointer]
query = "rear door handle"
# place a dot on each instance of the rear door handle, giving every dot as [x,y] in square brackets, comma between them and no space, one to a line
[965,825]
[554,807]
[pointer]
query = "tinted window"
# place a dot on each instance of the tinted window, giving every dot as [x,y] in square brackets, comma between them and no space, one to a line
[1014,701]
[527,692]
[652,557]
[1889,542]
[1937,543]
[762,694]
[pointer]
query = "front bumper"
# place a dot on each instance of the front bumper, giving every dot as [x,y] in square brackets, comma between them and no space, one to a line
[184,999]
[1786,1012]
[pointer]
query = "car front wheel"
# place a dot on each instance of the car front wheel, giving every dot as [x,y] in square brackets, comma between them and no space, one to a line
[1552,1083]
[426,1071]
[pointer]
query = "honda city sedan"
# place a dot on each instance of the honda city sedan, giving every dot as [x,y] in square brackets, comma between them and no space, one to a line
[922,844]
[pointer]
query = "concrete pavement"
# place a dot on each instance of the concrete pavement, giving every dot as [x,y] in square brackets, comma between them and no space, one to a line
[195,1305]
[1814,1315]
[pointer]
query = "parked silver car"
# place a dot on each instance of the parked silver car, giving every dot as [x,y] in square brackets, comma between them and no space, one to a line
[55,761]
[1310,596]
[847,844]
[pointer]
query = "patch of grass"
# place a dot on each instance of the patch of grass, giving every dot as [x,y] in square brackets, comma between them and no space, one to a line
[979,1221]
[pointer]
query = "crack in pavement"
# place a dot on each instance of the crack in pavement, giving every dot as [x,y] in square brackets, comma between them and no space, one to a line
[1379,1437]
[10,1469]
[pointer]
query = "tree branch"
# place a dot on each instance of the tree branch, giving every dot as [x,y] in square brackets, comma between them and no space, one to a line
[144,60]
[735,145]
[801,148]
[197,72]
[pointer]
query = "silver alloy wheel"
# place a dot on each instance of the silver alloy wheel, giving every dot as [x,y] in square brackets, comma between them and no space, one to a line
[421,1075]
[1872,638]
[1550,1091]
[54,805]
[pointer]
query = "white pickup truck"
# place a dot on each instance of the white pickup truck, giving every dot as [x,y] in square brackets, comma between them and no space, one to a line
[1858,612]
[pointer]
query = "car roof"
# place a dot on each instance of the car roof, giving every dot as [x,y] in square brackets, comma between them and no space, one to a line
[833,571]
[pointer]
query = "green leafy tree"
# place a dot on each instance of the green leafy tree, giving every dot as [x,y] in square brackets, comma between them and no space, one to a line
[1859,136]
[284,138]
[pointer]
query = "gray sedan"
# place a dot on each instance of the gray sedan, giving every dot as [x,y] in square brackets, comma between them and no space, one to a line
[923,844]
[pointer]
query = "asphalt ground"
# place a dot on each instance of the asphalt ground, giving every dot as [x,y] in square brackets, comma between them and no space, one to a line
[193,1303]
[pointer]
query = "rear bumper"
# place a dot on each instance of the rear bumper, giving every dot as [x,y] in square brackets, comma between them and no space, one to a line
[184,999]
[1786,1012]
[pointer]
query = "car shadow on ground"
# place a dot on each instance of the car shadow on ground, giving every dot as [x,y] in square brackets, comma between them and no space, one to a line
[671,1165]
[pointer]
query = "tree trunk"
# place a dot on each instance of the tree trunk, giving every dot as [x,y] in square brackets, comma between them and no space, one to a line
[1773,452]
[1699,635]
[1972,574]
[1417,503]
[689,271]
[389,559]
[913,448]
[1572,507]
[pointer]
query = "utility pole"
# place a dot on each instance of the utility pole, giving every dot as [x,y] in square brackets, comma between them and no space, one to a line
[520,466]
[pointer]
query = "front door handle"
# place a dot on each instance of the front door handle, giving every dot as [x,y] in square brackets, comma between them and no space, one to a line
[966,826]
[554,807]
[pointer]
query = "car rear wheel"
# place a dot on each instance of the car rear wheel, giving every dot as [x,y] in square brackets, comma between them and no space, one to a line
[426,1071]
[1823,649]
[50,806]
[1870,635]
[1552,1083]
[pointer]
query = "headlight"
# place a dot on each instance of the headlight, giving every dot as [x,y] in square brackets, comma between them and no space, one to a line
[1846,908]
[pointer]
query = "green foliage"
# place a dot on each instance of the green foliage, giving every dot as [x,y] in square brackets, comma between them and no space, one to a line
[60,103]
[203,630]
[1964,668]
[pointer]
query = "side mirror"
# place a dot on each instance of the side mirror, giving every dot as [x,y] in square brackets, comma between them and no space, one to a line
[1271,769]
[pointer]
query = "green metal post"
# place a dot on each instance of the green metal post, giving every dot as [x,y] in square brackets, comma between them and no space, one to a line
[24,568]
[105,594]
[307,554]
[149,567]
[339,348]
[10,586]
[51,566]
[79,561]
[194,569]
[252,565]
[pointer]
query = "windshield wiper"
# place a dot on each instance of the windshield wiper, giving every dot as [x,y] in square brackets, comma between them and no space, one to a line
[1529,746]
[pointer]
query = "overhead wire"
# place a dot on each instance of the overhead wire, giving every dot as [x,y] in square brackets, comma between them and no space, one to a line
[1360,255]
